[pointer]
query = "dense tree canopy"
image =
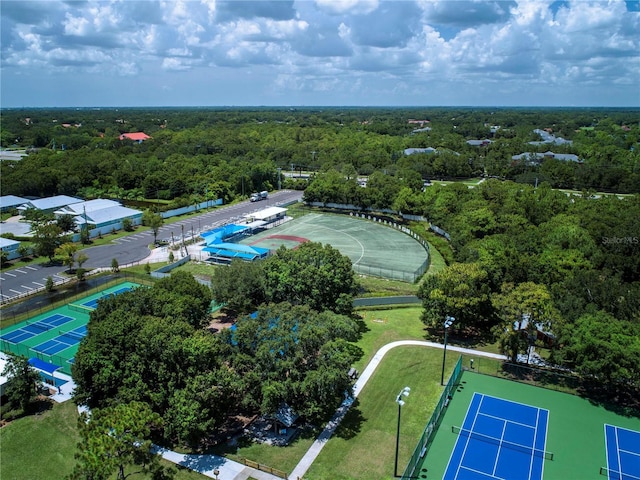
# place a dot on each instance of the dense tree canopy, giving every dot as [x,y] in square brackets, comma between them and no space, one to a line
[149,345]
[230,153]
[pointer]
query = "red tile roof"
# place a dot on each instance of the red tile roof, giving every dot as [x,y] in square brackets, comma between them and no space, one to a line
[136,136]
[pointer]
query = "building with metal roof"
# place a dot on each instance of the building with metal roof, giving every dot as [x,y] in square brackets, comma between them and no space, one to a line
[49,204]
[7,202]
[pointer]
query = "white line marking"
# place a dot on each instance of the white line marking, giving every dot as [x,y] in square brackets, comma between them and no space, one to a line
[10,274]
[21,271]
[39,284]
[28,288]
[495,464]
[30,268]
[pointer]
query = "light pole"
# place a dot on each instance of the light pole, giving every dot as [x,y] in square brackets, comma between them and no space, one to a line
[447,323]
[216,472]
[403,393]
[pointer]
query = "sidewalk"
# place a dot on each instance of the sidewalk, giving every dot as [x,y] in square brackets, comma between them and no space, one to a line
[318,445]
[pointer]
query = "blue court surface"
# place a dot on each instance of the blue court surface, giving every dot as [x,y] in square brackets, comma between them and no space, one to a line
[94,303]
[35,328]
[62,341]
[499,439]
[623,453]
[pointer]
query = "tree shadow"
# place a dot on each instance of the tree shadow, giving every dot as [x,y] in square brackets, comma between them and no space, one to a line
[620,399]
[352,422]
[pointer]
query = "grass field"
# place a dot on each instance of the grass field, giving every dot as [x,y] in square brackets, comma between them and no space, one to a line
[364,444]
[43,446]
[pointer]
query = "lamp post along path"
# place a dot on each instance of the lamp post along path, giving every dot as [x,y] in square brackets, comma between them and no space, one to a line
[447,323]
[403,393]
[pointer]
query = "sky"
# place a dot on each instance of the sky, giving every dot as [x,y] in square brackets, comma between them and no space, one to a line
[136,53]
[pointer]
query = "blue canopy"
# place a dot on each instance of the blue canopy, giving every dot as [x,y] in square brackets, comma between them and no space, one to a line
[42,365]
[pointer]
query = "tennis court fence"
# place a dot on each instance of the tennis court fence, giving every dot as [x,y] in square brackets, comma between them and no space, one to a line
[22,349]
[432,425]
[404,275]
[501,443]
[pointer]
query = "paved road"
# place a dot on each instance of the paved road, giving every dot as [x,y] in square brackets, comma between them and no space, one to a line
[133,248]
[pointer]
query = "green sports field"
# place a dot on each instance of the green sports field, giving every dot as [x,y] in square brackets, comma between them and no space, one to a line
[373,247]
[575,433]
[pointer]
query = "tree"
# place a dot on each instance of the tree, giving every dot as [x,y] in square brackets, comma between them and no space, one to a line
[295,355]
[154,221]
[66,223]
[241,286]
[68,253]
[127,224]
[23,250]
[23,380]
[115,267]
[49,285]
[47,238]
[461,290]
[314,275]
[114,438]
[603,348]
[524,309]
[81,259]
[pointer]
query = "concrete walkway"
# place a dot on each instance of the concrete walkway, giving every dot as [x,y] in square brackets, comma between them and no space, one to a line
[322,439]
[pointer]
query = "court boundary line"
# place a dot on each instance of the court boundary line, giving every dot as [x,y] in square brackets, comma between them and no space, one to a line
[466,445]
[500,441]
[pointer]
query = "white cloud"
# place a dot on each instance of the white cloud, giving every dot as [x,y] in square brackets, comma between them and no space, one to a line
[365,47]
[341,7]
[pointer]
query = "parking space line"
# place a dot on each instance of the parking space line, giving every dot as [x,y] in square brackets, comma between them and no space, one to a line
[21,271]
[28,288]
[10,274]
[31,268]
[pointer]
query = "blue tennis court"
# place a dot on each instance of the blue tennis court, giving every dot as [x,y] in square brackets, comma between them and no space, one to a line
[94,302]
[499,439]
[623,453]
[62,341]
[35,328]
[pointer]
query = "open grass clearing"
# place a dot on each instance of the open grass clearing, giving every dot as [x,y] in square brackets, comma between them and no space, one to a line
[44,445]
[364,444]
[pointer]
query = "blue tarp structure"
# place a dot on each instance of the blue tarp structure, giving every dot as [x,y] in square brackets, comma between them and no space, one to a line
[43,366]
[218,246]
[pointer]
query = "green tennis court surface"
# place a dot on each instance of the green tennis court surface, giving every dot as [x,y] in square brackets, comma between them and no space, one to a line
[575,433]
[373,247]
[54,336]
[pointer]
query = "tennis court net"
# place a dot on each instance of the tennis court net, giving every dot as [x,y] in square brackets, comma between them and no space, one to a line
[71,335]
[80,308]
[502,443]
[39,326]
[607,472]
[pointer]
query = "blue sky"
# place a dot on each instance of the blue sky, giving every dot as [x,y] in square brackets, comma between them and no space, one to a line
[319,52]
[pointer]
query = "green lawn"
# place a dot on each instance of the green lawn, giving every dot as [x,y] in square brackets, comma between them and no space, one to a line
[382,326]
[40,446]
[43,446]
[364,444]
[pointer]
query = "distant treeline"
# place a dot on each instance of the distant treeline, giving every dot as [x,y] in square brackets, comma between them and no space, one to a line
[228,153]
